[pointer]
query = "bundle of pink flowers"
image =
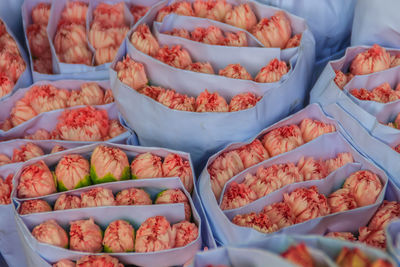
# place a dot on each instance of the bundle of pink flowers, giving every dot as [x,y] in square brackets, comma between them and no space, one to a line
[70,40]
[138,11]
[12,64]
[178,57]
[89,261]
[273,143]
[6,189]
[98,197]
[212,35]
[270,179]
[154,234]
[395,124]
[81,124]
[352,257]
[360,189]
[382,93]
[107,31]
[107,164]
[44,98]
[374,233]
[275,31]
[372,60]
[38,40]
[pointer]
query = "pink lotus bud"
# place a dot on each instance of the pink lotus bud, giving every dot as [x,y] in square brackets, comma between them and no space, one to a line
[241,16]
[116,129]
[236,196]
[311,129]
[66,202]
[151,91]
[75,99]
[133,196]
[352,257]
[184,233]
[11,64]
[365,187]
[238,39]
[75,12]
[170,196]
[27,152]
[211,35]
[144,40]
[183,33]
[34,206]
[259,222]
[397,148]
[72,172]
[224,167]
[6,125]
[253,153]
[45,98]
[21,113]
[175,56]
[340,160]
[272,72]
[77,55]
[288,173]
[38,40]
[279,214]
[110,15]
[211,9]
[203,67]
[307,203]
[394,61]
[103,260]
[235,71]
[40,134]
[43,65]
[341,200]
[154,234]
[243,101]
[83,124]
[6,85]
[146,165]
[294,41]
[372,60]
[57,148]
[274,32]
[102,37]
[41,13]
[138,11]
[108,97]
[85,236]
[299,255]
[371,237]
[5,189]
[119,237]
[97,197]
[69,35]
[381,263]
[264,182]
[384,93]
[36,180]
[345,236]
[91,94]
[7,43]
[180,8]
[4,160]
[312,169]
[131,73]
[206,102]
[340,79]
[387,212]
[283,139]
[109,164]
[175,100]
[174,165]
[363,94]
[64,263]
[50,232]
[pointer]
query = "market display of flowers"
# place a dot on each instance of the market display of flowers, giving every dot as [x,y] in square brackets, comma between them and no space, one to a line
[195,133]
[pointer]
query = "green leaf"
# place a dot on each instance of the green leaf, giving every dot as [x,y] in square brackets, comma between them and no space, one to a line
[82,183]
[159,194]
[107,249]
[108,177]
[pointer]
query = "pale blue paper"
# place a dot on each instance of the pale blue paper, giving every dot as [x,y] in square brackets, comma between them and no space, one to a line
[393,239]
[10,12]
